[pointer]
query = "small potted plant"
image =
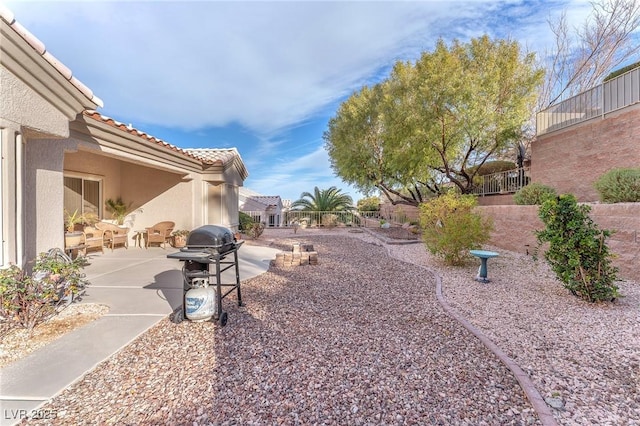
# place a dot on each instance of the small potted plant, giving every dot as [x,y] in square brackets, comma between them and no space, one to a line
[180,238]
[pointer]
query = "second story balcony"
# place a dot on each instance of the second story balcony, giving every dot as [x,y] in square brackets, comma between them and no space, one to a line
[612,95]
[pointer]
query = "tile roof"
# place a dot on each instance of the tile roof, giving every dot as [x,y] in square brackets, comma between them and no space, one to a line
[213,155]
[39,47]
[205,155]
[260,203]
[269,200]
[133,131]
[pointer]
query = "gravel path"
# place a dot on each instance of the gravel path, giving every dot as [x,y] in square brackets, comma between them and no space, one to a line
[361,339]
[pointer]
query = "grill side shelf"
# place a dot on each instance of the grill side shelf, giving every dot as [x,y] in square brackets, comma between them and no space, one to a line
[197,256]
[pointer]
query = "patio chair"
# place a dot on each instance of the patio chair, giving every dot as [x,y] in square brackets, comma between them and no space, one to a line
[114,234]
[93,238]
[159,233]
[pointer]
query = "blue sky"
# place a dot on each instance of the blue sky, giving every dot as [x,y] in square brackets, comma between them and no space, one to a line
[264,77]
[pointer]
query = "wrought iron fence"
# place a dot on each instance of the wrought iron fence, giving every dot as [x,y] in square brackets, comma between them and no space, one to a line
[502,182]
[355,218]
[610,96]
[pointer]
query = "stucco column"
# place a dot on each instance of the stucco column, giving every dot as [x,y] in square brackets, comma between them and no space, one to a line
[44,196]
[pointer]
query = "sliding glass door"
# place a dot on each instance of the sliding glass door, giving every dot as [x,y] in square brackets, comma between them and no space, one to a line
[83,195]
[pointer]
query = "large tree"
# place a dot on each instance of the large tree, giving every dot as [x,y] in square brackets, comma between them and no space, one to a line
[432,120]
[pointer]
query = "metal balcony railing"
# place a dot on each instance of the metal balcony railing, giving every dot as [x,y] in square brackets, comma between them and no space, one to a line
[502,182]
[610,96]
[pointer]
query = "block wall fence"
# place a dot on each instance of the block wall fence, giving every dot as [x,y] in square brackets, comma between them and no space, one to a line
[514,228]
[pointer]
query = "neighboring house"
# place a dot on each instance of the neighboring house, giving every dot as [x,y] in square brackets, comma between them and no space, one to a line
[244,194]
[58,152]
[264,208]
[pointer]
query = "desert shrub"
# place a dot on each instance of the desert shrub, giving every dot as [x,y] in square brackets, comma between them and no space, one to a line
[578,253]
[256,229]
[30,298]
[534,194]
[246,222]
[370,204]
[450,228]
[329,220]
[619,186]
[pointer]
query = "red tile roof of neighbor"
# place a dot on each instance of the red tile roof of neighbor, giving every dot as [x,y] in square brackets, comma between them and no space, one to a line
[40,48]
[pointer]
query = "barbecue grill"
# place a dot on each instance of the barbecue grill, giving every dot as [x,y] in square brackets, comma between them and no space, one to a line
[203,288]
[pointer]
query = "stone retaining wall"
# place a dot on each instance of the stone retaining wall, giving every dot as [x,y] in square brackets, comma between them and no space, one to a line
[514,228]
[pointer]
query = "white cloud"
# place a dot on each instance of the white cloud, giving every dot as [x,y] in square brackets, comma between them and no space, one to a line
[290,178]
[264,65]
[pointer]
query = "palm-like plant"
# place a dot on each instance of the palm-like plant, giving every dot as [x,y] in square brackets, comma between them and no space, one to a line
[118,209]
[323,200]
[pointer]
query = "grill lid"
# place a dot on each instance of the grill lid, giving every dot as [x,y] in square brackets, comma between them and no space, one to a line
[213,236]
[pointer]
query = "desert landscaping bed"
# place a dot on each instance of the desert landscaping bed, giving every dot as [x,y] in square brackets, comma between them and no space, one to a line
[584,357]
[361,339]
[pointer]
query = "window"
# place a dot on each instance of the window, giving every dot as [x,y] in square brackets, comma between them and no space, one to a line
[83,195]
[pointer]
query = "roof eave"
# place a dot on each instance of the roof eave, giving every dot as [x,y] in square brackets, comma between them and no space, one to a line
[25,56]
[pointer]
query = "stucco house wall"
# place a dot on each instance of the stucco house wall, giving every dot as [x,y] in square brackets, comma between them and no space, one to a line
[32,111]
[157,196]
[43,195]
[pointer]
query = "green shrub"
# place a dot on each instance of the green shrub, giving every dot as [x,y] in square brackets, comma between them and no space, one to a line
[28,299]
[619,186]
[578,253]
[256,229]
[450,228]
[621,71]
[370,204]
[534,194]
[246,222]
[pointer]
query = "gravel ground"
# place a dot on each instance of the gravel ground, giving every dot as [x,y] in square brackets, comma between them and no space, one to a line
[361,339]
[358,339]
[584,356]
